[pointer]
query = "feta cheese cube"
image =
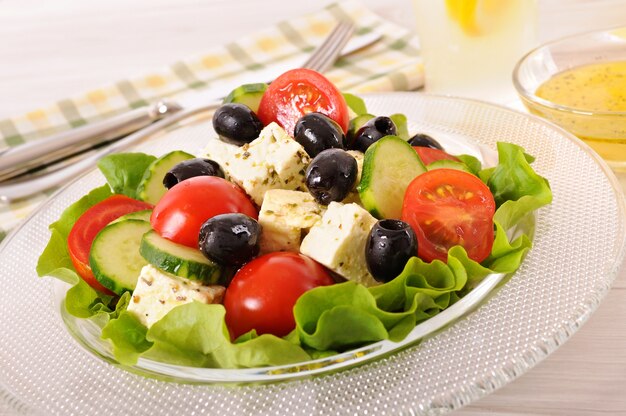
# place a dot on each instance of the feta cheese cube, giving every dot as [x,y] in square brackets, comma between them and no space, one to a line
[273,161]
[220,152]
[158,292]
[338,241]
[285,217]
[359,156]
[353,195]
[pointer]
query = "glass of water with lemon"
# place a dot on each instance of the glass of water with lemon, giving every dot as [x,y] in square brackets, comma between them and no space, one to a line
[470,47]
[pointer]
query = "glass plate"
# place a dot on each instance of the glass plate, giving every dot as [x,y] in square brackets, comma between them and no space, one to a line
[578,247]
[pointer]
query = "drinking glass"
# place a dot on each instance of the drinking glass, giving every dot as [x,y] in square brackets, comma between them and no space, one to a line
[470,47]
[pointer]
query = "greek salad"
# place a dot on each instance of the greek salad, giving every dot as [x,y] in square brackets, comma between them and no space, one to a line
[308,227]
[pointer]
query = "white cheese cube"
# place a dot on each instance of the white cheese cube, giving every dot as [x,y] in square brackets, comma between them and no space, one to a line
[273,161]
[353,195]
[359,157]
[285,217]
[220,152]
[338,241]
[158,292]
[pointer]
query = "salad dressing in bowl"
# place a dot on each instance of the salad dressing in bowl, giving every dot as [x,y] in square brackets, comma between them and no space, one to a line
[579,83]
[593,87]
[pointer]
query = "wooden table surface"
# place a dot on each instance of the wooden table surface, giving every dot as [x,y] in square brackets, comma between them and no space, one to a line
[52,50]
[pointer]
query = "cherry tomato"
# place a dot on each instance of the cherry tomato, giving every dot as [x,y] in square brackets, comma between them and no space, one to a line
[262,294]
[430,155]
[447,207]
[89,225]
[298,92]
[183,209]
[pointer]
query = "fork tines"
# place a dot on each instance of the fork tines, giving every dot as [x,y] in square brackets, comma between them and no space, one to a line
[326,54]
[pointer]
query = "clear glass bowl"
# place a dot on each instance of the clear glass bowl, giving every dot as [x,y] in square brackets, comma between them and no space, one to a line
[46,368]
[604,131]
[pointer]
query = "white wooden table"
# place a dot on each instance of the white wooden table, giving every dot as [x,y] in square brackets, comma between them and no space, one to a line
[51,50]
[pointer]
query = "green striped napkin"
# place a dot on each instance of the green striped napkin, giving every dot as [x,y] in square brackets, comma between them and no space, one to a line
[392,64]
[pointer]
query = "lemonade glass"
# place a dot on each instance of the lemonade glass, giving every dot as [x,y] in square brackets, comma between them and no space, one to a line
[470,47]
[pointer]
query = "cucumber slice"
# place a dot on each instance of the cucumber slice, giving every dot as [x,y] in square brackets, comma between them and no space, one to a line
[151,188]
[355,124]
[247,94]
[401,125]
[114,257]
[179,260]
[390,165]
[448,164]
[137,215]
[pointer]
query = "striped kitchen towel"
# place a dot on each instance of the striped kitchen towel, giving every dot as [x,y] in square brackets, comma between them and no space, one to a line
[390,65]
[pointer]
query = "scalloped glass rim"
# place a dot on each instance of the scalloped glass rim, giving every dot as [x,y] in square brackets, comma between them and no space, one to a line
[382,386]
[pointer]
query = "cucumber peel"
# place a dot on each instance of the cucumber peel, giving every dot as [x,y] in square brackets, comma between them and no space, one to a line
[389,166]
[143,215]
[114,257]
[248,95]
[448,164]
[151,188]
[179,260]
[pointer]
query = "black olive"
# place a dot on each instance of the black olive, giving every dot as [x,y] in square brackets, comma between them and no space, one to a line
[390,244]
[316,132]
[331,175]
[424,140]
[372,131]
[230,239]
[190,168]
[236,123]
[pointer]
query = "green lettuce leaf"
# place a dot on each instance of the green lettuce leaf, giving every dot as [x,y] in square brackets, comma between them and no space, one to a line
[81,299]
[356,104]
[516,187]
[55,260]
[472,163]
[347,315]
[128,337]
[124,171]
[195,334]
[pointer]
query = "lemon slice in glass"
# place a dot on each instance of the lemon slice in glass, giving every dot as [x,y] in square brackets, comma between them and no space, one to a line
[476,17]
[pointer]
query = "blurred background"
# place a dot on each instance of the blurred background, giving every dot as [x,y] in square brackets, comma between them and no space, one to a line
[55,49]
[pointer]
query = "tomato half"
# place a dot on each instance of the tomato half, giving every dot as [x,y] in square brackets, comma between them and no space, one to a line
[447,207]
[183,209]
[262,294]
[429,155]
[89,224]
[298,92]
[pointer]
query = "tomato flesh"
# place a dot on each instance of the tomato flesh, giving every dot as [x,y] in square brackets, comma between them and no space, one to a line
[298,92]
[447,207]
[89,224]
[429,155]
[183,209]
[263,293]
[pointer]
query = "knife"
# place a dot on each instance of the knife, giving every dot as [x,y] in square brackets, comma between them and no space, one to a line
[21,159]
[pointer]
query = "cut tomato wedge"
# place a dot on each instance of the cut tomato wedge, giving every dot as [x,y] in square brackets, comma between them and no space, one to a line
[298,92]
[89,224]
[447,207]
[430,155]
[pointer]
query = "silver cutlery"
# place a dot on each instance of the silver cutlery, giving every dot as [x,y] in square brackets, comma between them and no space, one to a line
[166,114]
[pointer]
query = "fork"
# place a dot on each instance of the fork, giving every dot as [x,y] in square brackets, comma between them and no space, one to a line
[320,60]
